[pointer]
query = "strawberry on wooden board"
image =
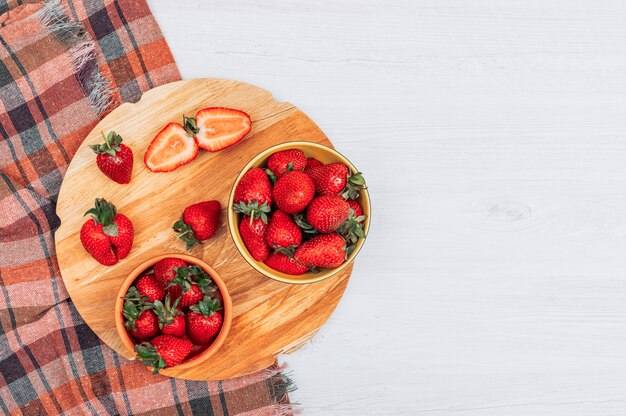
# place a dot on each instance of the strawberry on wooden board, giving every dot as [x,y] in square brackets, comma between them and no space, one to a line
[293,192]
[327,212]
[204,321]
[190,285]
[165,270]
[114,159]
[149,287]
[285,264]
[253,235]
[172,147]
[286,160]
[253,194]
[107,236]
[311,163]
[325,251]
[171,319]
[140,320]
[219,128]
[163,351]
[282,231]
[198,223]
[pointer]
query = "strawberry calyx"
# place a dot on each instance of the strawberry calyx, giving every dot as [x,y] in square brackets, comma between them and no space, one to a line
[271,176]
[166,311]
[103,213]
[287,251]
[253,210]
[185,233]
[352,229]
[134,305]
[190,126]
[207,306]
[111,145]
[301,221]
[186,276]
[149,355]
[354,184]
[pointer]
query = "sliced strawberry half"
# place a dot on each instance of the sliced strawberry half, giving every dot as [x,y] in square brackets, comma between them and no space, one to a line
[171,148]
[219,128]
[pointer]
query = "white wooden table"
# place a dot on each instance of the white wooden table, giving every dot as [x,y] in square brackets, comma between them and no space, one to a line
[493,139]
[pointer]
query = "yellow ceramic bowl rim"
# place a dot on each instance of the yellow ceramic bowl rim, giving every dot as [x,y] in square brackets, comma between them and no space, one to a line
[227,306]
[233,217]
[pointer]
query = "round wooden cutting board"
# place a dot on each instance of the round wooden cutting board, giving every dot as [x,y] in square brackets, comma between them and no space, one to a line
[269,317]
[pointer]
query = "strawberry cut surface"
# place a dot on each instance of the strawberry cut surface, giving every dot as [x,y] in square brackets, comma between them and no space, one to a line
[219,128]
[171,148]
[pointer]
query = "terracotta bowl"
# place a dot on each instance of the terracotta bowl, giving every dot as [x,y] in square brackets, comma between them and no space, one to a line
[198,354]
[323,154]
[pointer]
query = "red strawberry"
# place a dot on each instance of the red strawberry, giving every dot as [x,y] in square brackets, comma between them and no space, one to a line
[356,207]
[164,271]
[219,128]
[114,159]
[329,179]
[171,319]
[163,351]
[108,236]
[293,192]
[149,287]
[253,194]
[140,321]
[172,147]
[311,163]
[285,264]
[352,229]
[252,233]
[327,212]
[326,251]
[285,160]
[199,223]
[204,321]
[282,231]
[190,285]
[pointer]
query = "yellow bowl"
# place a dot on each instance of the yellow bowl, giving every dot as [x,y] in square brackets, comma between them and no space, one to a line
[323,154]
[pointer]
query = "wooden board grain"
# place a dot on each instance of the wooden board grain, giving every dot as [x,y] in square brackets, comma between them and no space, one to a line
[269,317]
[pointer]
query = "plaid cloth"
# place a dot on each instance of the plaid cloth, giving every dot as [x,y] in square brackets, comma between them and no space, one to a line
[63,65]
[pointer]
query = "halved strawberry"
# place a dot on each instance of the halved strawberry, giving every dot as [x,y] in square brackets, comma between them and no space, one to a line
[172,147]
[219,128]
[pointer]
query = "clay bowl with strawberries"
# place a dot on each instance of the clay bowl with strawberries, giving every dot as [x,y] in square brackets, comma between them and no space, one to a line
[299,212]
[173,310]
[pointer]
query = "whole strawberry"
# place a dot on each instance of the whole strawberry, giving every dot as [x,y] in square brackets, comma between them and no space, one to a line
[252,233]
[293,192]
[199,223]
[285,160]
[150,288]
[253,194]
[282,231]
[335,179]
[107,236]
[171,319]
[140,321]
[327,212]
[114,159]
[285,264]
[190,285]
[204,321]
[165,270]
[325,251]
[311,163]
[163,351]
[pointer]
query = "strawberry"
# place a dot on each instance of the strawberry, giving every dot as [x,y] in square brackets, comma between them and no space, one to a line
[352,229]
[219,128]
[326,251]
[293,192]
[199,223]
[165,270]
[286,160]
[114,159]
[311,163]
[282,231]
[253,194]
[190,285]
[171,319]
[329,179]
[327,212]
[172,147]
[163,351]
[140,321]
[253,235]
[107,236]
[149,287]
[285,264]
[356,207]
[204,321]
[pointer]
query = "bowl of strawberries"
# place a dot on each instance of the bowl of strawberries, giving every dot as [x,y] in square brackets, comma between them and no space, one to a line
[173,311]
[299,212]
